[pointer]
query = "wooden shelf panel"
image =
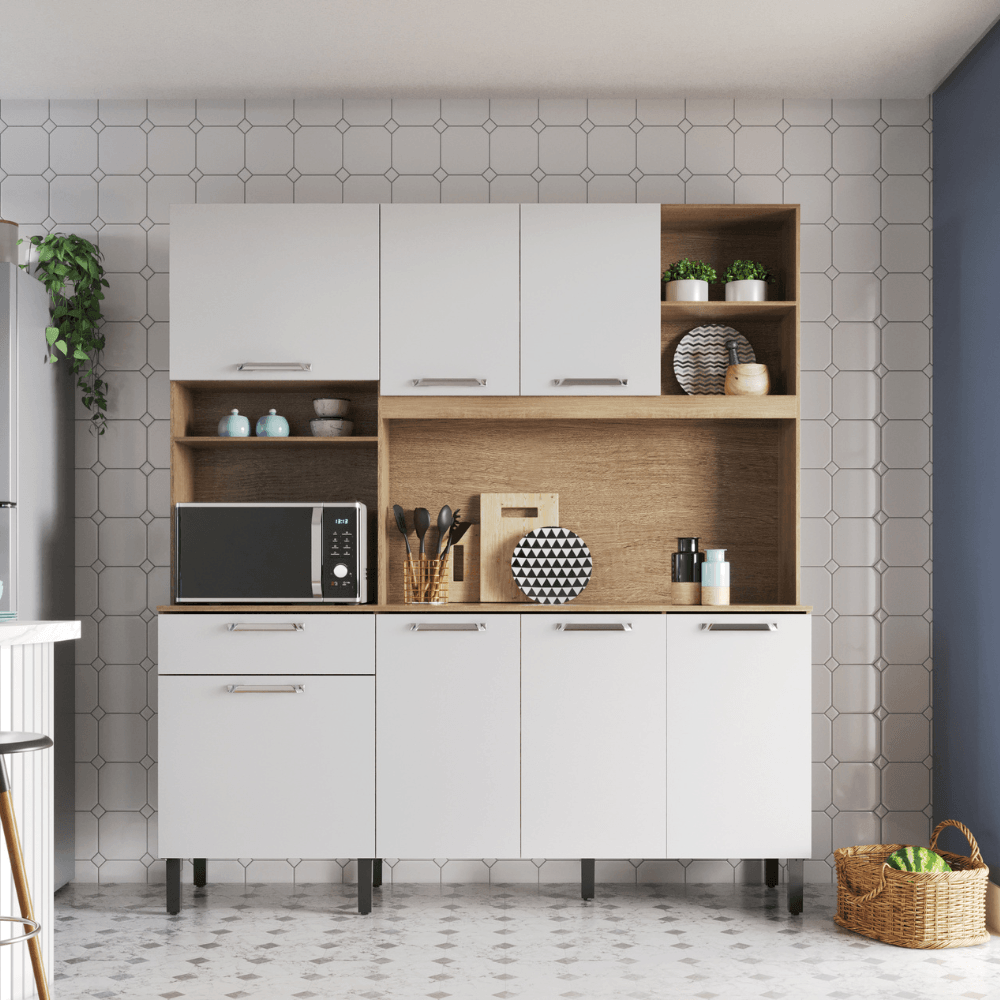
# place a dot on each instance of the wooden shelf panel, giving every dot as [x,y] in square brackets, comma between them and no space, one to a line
[730,311]
[269,442]
[476,609]
[594,408]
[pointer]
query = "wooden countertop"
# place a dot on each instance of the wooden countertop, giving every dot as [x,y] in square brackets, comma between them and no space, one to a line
[456,609]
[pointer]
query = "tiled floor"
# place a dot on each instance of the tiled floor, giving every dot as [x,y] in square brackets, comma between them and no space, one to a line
[472,941]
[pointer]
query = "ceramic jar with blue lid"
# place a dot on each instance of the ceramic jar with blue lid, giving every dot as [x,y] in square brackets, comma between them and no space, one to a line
[271,425]
[234,426]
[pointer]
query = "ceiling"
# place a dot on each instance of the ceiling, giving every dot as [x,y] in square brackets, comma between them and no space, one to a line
[473,48]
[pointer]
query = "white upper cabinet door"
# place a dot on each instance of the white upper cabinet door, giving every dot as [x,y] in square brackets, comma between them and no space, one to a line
[450,300]
[590,300]
[593,736]
[274,288]
[447,736]
[738,725]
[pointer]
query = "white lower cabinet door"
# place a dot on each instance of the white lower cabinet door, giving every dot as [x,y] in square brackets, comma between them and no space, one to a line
[738,743]
[447,736]
[593,736]
[266,766]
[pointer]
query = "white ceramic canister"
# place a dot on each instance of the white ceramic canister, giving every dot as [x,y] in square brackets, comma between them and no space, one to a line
[715,578]
[687,291]
[8,242]
[746,291]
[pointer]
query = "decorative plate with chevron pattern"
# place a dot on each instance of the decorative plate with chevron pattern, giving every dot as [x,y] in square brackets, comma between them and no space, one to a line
[701,358]
[551,565]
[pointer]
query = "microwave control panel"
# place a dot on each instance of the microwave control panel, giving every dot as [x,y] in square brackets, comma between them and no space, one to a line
[344,570]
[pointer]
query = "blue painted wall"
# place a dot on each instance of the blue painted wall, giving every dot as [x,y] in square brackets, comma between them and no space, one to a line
[967,447]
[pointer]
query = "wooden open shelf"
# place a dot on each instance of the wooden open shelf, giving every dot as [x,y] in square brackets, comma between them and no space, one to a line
[271,442]
[590,408]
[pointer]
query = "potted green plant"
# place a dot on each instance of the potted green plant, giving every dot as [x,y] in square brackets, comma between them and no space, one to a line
[687,280]
[747,281]
[70,268]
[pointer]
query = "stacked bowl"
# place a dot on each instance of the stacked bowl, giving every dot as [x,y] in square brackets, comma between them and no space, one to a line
[329,421]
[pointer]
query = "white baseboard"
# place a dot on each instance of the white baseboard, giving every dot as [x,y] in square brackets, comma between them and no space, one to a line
[993,908]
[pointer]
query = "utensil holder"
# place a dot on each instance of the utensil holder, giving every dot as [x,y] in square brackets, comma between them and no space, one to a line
[425,581]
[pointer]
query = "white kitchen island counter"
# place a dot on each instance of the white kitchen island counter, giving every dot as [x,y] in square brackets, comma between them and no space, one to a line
[26,705]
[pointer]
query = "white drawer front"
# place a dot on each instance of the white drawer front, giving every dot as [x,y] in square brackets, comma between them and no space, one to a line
[447,744]
[738,736]
[261,772]
[282,643]
[593,739]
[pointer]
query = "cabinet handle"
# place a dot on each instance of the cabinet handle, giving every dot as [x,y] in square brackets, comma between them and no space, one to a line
[739,627]
[275,366]
[317,552]
[266,627]
[266,688]
[448,627]
[479,383]
[590,381]
[594,626]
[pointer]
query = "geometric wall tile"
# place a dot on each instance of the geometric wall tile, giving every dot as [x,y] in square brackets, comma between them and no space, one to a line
[856,786]
[865,414]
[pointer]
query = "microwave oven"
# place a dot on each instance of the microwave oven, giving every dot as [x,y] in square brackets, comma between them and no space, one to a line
[262,553]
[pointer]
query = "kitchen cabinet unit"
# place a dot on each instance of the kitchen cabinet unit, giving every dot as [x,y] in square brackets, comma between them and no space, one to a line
[448,736]
[593,736]
[738,736]
[523,739]
[266,736]
[449,300]
[274,292]
[590,313]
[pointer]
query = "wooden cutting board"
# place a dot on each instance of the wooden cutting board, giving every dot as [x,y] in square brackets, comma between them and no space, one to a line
[505,518]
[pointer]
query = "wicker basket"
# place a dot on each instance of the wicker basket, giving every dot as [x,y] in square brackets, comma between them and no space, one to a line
[913,909]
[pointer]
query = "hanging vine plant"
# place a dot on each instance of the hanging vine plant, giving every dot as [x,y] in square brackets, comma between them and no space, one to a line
[70,268]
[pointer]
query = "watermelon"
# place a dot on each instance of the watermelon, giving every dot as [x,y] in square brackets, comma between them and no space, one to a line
[917,859]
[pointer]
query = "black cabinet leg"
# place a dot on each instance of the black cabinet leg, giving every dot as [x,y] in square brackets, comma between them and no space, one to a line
[587,878]
[173,885]
[771,872]
[200,871]
[376,873]
[795,880]
[365,885]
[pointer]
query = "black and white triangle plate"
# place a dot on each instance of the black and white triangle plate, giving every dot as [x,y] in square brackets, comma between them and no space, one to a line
[551,565]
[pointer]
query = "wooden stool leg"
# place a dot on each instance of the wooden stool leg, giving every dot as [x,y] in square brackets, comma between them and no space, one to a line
[21,884]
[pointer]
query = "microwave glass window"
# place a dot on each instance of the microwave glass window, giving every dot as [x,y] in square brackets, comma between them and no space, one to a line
[244,552]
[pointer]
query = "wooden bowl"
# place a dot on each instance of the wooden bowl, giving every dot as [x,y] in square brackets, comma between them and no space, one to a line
[747,380]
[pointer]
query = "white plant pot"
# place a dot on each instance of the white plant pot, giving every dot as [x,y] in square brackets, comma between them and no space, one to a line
[687,291]
[746,291]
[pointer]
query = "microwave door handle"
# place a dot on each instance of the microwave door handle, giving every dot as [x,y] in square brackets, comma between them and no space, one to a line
[317,552]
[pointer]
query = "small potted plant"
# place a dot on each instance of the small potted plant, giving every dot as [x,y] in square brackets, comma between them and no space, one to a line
[746,281]
[687,280]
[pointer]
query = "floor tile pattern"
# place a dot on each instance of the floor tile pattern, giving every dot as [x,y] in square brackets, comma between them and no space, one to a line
[861,170]
[648,942]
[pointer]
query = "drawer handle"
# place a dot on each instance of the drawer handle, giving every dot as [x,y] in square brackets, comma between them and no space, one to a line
[448,627]
[275,366]
[590,381]
[594,626]
[476,383]
[266,688]
[266,627]
[739,627]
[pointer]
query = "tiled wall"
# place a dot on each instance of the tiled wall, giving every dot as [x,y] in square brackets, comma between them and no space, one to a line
[861,171]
